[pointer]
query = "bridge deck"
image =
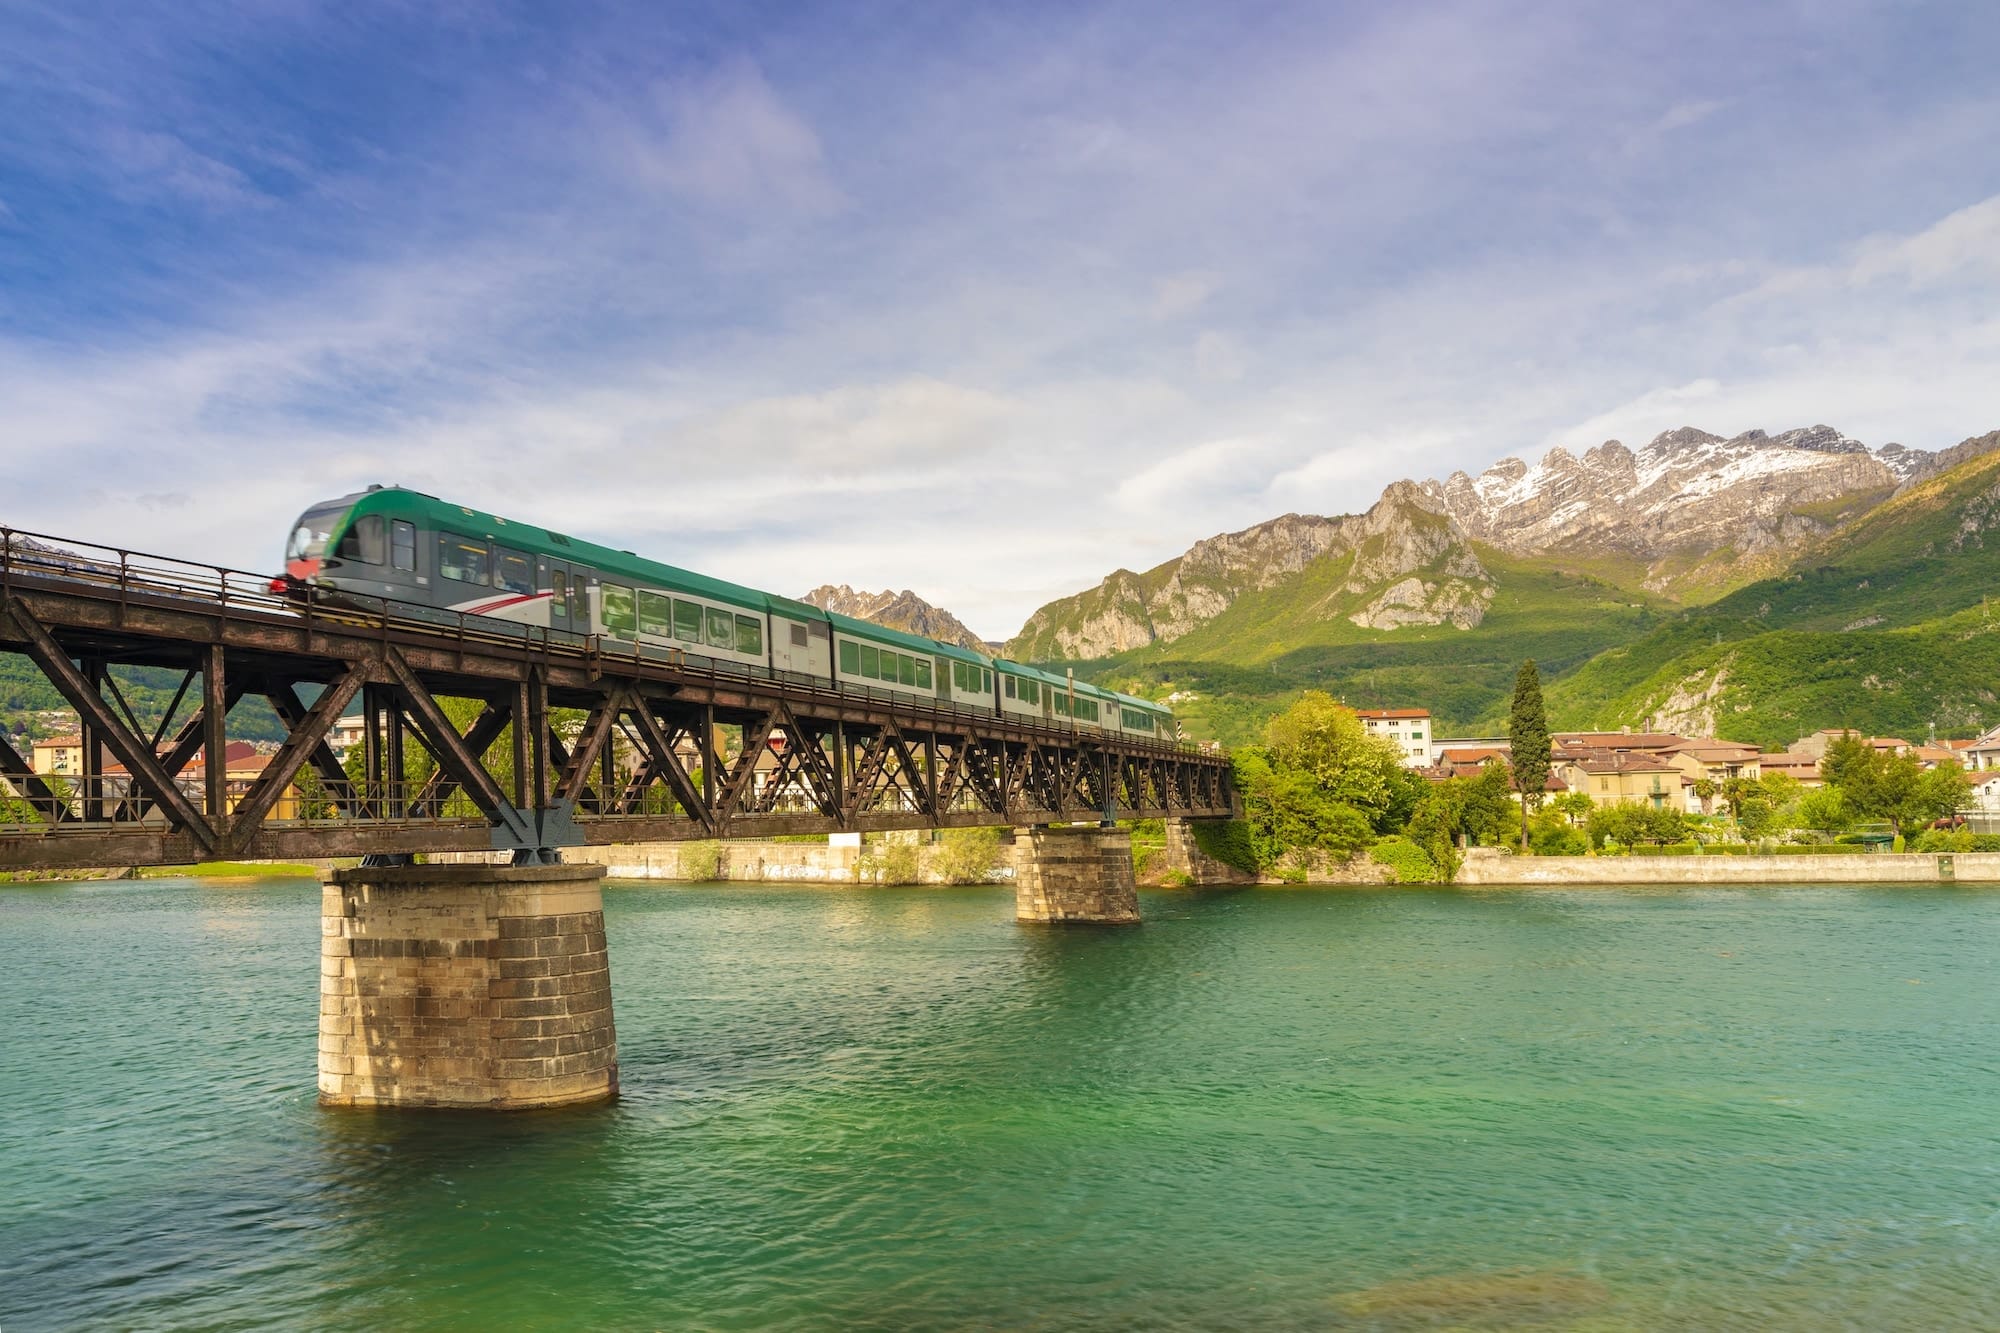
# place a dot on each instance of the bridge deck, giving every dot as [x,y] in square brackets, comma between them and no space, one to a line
[561,740]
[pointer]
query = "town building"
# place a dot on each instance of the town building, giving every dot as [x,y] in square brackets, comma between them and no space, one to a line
[1715,760]
[1409,729]
[1983,753]
[58,754]
[1801,768]
[1627,777]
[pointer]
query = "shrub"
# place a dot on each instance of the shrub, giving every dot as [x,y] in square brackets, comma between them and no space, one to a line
[1292,874]
[1411,863]
[701,861]
[1177,879]
[889,863]
[1956,840]
[1666,849]
[1552,835]
[1228,841]
[967,855]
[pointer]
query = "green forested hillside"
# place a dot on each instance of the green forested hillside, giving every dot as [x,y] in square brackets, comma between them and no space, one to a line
[149,690]
[1254,658]
[1885,626]
[1888,628]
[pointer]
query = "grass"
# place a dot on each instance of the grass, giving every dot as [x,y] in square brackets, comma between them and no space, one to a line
[1252,660]
[230,870]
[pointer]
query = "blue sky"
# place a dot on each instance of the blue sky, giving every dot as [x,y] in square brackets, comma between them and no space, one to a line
[984,303]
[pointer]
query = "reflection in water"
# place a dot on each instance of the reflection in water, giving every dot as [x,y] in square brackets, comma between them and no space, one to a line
[896,1109]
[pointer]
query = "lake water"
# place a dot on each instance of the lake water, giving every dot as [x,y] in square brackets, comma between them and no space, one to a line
[886,1109]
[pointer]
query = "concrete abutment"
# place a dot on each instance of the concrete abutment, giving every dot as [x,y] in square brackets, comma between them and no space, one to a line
[1075,875]
[465,986]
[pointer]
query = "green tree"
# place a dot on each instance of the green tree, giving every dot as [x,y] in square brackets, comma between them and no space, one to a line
[1319,737]
[1632,822]
[1705,790]
[1896,788]
[1528,741]
[1289,811]
[1574,806]
[1823,810]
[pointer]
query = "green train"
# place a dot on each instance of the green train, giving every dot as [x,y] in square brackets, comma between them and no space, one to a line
[388,544]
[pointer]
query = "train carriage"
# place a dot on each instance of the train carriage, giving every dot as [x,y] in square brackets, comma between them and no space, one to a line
[387,544]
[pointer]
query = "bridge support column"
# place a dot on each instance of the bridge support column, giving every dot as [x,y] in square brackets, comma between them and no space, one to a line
[469,986]
[1079,874]
[1184,854]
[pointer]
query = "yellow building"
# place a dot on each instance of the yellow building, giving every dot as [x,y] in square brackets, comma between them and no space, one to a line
[1615,779]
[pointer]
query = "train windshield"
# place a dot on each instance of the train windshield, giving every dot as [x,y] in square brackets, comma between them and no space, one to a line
[313,531]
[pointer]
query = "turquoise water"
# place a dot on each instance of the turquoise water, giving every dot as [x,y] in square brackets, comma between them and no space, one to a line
[883,1109]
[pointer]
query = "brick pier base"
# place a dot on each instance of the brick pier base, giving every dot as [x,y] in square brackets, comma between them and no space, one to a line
[1077,874]
[483,987]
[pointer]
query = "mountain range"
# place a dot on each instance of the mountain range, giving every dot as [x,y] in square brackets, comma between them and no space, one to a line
[898,610]
[1433,595]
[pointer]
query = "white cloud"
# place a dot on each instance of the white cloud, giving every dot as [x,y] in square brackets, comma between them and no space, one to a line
[1219,357]
[1183,293]
[1683,114]
[726,139]
[1639,419]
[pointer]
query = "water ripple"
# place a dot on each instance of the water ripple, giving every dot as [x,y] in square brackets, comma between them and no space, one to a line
[896,1110]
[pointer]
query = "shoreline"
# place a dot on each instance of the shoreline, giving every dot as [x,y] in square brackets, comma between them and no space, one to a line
[753,862]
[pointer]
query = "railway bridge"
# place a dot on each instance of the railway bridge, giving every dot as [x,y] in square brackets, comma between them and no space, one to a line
[478,985]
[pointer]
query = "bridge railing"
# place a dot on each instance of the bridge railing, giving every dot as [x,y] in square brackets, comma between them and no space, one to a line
[26,555]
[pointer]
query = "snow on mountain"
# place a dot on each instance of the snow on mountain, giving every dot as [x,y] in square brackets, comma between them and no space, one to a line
[1685,496]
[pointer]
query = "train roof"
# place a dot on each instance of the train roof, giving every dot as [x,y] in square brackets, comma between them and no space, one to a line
[868,629]
[398,502]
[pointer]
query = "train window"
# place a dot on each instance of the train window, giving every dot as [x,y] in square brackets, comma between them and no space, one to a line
[749,637]
[1031,691]
[923,674]
[513,571]
[620,617]
[363,541]
[559,593]
[1010,686]
[721,629]
[871,662]
[403,545]
[986,680]
[687,621]
[850,657]
[798,636]
[906,669]
[462,559]
[656,614]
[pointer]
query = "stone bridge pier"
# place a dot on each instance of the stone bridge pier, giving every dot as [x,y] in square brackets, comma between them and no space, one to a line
[465,986]
[1081,875]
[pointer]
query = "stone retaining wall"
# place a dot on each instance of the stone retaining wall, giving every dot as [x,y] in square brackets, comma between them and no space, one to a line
[746,861]
[1490,866]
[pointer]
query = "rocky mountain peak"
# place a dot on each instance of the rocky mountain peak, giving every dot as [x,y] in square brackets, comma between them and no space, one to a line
[1687,437]
[896,610]
[1410,564]
[1820,439]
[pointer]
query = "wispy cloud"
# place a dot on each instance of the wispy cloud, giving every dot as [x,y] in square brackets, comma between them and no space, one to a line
[983,305]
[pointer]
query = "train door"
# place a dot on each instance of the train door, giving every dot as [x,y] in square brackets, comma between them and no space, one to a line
[567,607]
[945,666]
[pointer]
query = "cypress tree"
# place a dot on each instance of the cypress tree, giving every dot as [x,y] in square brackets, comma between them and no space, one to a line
[1528,741]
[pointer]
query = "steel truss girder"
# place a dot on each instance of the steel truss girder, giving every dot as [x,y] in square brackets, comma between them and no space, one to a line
[811,759]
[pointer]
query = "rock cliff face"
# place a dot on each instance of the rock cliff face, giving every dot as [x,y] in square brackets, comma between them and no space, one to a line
[1687,494]
[1410,565]
[1689,514]
[897,610]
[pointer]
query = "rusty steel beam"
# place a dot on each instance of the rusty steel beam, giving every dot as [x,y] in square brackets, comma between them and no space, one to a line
[851,760]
